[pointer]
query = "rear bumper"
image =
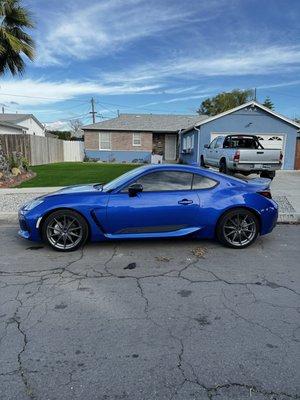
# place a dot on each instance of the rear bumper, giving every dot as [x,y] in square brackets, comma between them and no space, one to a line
[253,167]
[269,217]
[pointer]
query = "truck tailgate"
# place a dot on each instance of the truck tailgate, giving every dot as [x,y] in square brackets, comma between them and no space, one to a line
[261,156]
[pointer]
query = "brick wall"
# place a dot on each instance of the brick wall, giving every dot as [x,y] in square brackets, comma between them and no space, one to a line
[119,141]
[91,140]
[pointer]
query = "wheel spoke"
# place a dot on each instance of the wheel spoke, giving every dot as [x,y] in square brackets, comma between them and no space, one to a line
[73,234]
[74,229]
[231,233]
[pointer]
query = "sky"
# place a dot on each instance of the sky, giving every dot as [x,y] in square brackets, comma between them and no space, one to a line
[155,56]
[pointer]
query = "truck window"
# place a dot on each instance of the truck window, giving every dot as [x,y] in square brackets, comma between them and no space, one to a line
[212,144]
[244,143]
[219,143]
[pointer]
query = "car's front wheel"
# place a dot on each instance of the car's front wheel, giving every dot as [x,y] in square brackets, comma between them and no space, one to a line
[65,230]
[238,228]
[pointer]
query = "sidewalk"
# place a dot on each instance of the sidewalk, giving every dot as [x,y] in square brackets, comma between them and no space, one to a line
[285,191]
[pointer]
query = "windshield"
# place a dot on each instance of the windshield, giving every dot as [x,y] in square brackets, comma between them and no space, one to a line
[122,179]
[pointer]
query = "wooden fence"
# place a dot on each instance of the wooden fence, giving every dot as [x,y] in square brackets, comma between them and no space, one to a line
[40,150]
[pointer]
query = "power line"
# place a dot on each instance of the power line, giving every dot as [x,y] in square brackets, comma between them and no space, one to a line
[69,118]
[38,97]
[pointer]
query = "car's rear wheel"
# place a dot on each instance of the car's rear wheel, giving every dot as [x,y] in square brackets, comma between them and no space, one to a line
[238,228]
[65,230]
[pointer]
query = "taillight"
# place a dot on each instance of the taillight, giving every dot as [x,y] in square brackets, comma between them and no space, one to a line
[236,157]
[266,193]
[281,156]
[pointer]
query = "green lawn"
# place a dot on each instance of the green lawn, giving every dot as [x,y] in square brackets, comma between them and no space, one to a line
[73,173]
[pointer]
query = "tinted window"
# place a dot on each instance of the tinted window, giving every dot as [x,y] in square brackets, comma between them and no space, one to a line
[201,182]
[166,180]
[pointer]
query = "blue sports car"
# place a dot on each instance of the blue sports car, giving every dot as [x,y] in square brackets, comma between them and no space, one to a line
[157,201]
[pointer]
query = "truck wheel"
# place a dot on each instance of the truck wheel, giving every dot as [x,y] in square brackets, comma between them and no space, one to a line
[202,163]
[223,167]
[266,174]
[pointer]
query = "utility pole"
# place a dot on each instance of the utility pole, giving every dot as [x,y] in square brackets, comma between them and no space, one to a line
[93,112]
[254,94]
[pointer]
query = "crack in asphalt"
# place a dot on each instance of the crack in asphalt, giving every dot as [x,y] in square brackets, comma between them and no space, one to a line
[60,272]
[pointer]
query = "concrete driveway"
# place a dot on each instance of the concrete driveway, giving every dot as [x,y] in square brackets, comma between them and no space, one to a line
[150,320]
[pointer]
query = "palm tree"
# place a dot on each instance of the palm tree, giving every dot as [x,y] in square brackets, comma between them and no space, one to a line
[14,41]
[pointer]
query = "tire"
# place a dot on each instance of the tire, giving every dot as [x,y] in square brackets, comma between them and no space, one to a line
[238,228]
[202,163]
[65,230]
[269,175]
[223,167]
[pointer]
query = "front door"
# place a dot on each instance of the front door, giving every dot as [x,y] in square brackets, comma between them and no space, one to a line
[170,147]
[166,205]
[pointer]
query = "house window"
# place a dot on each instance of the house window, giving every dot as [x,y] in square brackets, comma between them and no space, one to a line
[137,139]
[104,141]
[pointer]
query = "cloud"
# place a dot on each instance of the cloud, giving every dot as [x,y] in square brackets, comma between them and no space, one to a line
[106,26]
[281,84]
[249,61]
[32,92]
[58,126]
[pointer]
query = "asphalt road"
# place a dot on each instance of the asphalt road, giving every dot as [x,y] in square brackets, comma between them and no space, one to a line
[177,320]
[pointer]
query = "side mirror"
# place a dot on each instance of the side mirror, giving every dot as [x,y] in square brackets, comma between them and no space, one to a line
[206,146]
[134,189]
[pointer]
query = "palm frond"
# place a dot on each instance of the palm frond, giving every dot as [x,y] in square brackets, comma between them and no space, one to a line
[14,40]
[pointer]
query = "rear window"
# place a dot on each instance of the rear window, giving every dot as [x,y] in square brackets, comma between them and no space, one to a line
[201,182]
[242,143]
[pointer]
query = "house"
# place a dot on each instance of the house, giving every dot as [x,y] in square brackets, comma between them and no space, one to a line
[134,137]
[273,130]
[7,128]
[28,122]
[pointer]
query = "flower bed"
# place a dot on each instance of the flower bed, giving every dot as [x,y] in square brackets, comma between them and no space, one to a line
[13,170]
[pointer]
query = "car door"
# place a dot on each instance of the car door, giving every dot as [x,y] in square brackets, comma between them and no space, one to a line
[210,151]
[166,206]
[216,151]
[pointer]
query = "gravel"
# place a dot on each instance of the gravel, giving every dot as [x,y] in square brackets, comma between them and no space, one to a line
[12,202]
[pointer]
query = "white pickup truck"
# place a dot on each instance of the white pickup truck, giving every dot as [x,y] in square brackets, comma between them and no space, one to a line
[243,154]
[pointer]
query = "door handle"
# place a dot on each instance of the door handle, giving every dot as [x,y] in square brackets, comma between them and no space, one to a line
[185,202]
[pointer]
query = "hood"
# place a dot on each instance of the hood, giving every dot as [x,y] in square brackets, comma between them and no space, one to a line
[93,187]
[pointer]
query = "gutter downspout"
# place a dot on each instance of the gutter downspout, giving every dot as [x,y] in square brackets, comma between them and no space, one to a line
[179,142]
[198,142]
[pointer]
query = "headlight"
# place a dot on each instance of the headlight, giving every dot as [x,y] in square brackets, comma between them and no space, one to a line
[32,204]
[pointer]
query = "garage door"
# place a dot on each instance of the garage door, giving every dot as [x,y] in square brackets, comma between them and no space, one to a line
[271,141]
[268,141]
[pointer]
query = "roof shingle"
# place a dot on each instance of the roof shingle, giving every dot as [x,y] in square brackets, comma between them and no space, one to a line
[147,123]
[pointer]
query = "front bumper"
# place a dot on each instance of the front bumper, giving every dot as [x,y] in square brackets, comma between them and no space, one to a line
[28,227]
